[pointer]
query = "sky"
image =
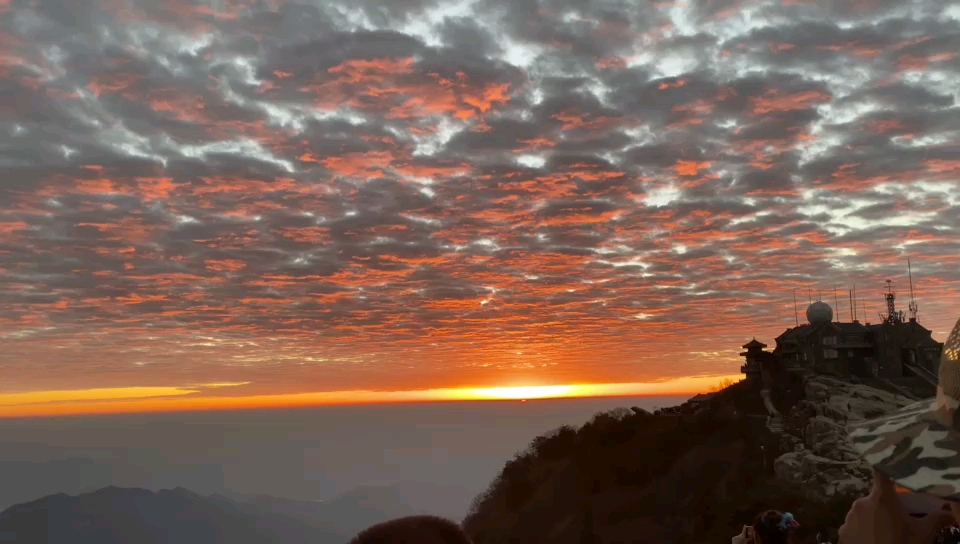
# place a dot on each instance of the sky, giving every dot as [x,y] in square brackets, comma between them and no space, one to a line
[229,200]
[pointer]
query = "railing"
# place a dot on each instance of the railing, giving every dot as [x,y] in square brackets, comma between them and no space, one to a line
[767,403]
[922,373]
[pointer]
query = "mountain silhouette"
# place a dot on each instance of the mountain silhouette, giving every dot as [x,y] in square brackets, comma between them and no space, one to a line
[128,515]
[115,515]
[349,512]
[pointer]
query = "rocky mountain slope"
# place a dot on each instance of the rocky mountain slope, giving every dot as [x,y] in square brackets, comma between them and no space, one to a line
[691,475]
[820,461]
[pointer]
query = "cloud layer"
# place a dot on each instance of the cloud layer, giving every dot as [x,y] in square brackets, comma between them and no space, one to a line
[326,196]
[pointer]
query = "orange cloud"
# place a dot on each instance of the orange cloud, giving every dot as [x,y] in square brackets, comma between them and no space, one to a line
[774,101]
[690,168]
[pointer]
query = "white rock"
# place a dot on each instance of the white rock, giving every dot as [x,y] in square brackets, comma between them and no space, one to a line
[828,464]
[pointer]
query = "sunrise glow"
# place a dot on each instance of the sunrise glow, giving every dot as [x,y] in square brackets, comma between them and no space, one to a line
[172,399]
[530,392]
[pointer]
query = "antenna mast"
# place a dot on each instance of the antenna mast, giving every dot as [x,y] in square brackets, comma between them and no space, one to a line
[853,315]
[796,317]
[836,303]
[913,301]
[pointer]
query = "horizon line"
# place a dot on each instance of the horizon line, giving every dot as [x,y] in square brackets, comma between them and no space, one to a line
[190,399]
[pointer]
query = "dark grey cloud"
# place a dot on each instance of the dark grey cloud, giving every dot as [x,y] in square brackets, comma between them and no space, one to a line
[384,178]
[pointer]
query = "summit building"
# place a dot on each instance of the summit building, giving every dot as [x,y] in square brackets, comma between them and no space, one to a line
[895,347]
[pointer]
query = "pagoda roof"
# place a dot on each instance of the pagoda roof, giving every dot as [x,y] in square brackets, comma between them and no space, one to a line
[754,344]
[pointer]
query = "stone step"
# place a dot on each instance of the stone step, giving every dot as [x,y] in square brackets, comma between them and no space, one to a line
[775,424]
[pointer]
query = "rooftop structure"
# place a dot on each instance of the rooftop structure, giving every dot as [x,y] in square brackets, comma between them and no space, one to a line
[895,347]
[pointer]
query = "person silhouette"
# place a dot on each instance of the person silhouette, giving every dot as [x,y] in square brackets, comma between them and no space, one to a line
[420,529]
[770,527]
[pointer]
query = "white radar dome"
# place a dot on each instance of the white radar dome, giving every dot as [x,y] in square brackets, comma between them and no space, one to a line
[819,312]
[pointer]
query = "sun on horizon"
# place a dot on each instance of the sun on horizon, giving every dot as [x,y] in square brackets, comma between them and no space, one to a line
[119,400]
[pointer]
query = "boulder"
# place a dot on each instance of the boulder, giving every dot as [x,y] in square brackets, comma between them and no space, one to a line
[822,461]
[844,401]
[821,478]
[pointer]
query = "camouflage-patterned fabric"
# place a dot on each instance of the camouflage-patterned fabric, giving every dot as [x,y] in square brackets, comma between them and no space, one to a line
[919,446]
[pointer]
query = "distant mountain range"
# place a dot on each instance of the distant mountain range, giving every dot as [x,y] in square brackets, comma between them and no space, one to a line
[115,515]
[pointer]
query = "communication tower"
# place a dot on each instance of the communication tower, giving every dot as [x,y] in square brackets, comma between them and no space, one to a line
[893,316]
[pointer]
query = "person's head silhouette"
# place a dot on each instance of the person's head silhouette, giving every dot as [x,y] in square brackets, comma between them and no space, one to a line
[773,527]
[413,530]
[770,527]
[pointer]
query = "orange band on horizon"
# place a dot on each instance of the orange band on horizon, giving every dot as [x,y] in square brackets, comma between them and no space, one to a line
[192,398]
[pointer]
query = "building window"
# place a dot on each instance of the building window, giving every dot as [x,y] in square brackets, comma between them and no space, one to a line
[829,354]
[829,340]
